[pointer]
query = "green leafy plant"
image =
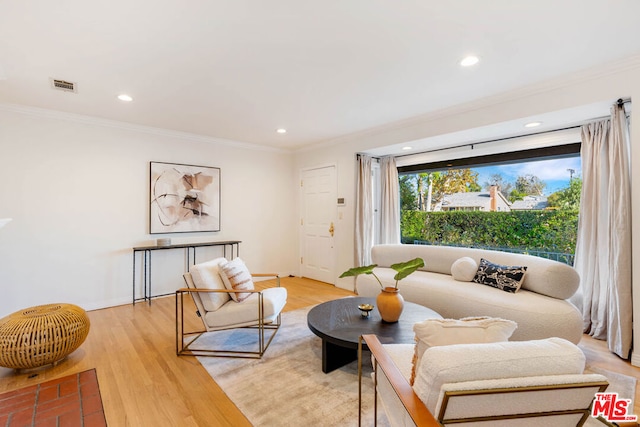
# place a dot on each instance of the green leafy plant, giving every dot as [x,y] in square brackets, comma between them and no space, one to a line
[544,230]
[403,269]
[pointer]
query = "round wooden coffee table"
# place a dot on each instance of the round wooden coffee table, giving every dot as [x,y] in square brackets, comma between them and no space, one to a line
[340,325]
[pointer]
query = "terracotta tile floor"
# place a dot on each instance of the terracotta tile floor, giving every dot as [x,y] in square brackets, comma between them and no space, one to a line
[69,401]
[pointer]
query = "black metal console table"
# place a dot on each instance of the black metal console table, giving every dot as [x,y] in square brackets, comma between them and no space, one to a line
[233,245]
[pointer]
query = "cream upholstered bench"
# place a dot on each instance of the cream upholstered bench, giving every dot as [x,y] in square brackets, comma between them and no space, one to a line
[521,383]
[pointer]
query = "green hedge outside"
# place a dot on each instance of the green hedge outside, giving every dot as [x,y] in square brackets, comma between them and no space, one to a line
[548,230]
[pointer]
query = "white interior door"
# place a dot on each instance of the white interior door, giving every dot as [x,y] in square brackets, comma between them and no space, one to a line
[318,210]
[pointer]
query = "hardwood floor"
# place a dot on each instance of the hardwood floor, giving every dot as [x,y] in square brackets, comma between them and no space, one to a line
[144,383]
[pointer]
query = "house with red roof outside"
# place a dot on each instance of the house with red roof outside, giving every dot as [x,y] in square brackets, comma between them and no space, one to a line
[488,201]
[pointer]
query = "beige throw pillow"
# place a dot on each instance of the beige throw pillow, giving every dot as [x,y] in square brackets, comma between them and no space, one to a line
[206,275]
[469,330]
[464,269]
[236,276]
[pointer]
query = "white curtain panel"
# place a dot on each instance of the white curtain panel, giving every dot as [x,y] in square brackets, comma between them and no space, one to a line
[390,201]
[603,249]
[620,331]
[364,211]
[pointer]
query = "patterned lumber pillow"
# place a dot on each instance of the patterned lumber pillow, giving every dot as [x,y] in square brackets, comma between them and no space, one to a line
[236,276]
[469,330]
[507,278]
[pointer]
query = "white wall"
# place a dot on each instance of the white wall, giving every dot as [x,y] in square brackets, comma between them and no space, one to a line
[78,192]
[571,91]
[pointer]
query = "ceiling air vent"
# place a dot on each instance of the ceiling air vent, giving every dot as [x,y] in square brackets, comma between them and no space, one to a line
[64,85]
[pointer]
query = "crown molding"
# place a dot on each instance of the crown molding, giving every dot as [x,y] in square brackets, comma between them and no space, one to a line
[578,77]
[115,124]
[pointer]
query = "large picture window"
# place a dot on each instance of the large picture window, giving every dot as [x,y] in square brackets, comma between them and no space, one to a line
[527,203]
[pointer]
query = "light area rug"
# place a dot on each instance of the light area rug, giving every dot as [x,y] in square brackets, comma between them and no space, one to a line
[624,385]
[288,388]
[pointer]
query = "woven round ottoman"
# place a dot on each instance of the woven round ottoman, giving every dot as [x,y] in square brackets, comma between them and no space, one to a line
[41,335]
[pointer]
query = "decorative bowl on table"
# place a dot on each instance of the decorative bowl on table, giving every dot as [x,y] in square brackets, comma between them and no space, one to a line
[365,309]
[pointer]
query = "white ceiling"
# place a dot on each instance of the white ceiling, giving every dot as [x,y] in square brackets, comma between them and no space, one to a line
[240,69]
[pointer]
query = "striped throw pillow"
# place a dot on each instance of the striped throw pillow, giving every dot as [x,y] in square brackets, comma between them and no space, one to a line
[236,276]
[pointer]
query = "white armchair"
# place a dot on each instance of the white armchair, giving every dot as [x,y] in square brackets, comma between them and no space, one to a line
[218,310]
[520,383]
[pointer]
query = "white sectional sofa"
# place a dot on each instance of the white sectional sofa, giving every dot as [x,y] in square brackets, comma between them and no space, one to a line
[540,307]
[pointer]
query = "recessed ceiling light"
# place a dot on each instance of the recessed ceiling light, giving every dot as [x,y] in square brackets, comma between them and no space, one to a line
[532,124]
[469,61]
[125,97]
[281,130]
[407,148]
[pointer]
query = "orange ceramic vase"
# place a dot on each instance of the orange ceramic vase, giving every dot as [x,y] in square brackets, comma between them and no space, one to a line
[390,304]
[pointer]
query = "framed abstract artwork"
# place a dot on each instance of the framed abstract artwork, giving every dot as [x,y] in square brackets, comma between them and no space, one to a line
[184,198]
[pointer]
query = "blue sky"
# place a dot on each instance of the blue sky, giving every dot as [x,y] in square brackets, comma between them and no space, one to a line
[553,172]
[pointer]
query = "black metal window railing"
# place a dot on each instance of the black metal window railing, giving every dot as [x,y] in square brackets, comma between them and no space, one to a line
[565,258]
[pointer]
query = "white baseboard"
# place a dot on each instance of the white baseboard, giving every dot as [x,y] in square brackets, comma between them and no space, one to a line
[346,283]
[635,359]
[108,303]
